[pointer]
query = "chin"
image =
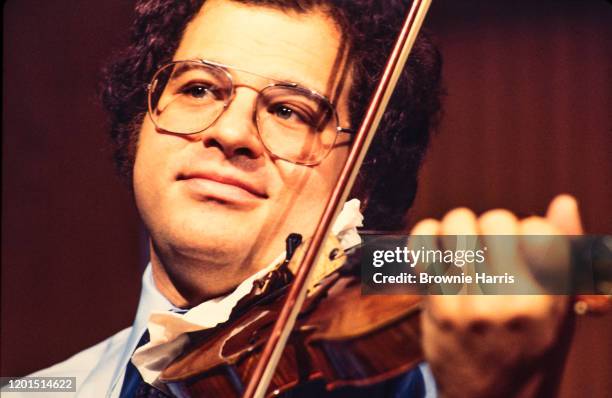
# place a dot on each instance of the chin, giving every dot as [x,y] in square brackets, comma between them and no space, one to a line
[209,242]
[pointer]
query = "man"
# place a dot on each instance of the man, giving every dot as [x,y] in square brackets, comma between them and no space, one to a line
[220,191]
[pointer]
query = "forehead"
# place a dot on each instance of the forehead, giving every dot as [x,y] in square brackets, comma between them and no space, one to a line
[303,48]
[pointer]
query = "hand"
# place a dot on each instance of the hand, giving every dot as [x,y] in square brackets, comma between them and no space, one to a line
[476,345]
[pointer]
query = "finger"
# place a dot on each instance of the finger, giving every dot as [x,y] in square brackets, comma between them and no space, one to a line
[459,234]
[563,213]
[460,221]
[546,252]
[499,229]
[498,222]
[537,226]
[428,226]
[423,237]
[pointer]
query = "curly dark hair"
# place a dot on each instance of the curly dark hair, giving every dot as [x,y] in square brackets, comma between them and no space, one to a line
[388,180]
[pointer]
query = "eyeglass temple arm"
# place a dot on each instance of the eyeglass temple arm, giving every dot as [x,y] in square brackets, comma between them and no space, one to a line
[346,130]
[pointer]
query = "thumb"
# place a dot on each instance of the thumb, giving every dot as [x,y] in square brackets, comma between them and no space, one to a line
[563,214]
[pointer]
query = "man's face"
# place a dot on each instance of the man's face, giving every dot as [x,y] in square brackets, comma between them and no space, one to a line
[218,197]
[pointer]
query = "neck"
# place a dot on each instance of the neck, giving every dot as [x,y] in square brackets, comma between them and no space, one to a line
[166,287]
[188,282]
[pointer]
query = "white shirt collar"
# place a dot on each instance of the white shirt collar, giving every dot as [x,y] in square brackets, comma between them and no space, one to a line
[151,300]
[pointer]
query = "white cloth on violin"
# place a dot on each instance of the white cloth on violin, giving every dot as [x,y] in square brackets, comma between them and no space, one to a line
[168,331]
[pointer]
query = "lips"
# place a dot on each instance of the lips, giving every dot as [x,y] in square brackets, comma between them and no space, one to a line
[222,186]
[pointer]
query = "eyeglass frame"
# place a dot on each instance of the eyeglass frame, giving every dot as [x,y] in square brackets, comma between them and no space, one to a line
[278,83]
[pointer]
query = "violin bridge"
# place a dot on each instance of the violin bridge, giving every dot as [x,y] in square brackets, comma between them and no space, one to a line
[332,258]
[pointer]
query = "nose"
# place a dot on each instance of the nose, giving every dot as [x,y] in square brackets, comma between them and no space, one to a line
[235,131]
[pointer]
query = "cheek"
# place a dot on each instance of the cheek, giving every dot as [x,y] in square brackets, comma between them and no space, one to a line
[143,159]
[151,164]
[311,184]
[331,167]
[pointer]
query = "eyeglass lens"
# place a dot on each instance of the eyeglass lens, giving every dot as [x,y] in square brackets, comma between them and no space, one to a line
[293,123]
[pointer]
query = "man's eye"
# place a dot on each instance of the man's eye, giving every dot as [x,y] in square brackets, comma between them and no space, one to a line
[198,91]
[284,112]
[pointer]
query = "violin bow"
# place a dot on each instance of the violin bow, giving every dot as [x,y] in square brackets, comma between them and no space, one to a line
[266,366]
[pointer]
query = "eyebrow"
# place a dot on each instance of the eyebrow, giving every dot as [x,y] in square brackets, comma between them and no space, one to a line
[182,67]
[186,65]
[287,81]
[231,67]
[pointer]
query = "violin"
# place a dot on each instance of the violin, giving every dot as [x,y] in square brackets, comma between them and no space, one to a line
[341,337]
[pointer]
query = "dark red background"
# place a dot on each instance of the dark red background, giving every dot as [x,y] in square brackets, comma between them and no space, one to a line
[527,116]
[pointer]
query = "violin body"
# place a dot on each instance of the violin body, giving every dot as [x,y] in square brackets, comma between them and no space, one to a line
[340,337]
